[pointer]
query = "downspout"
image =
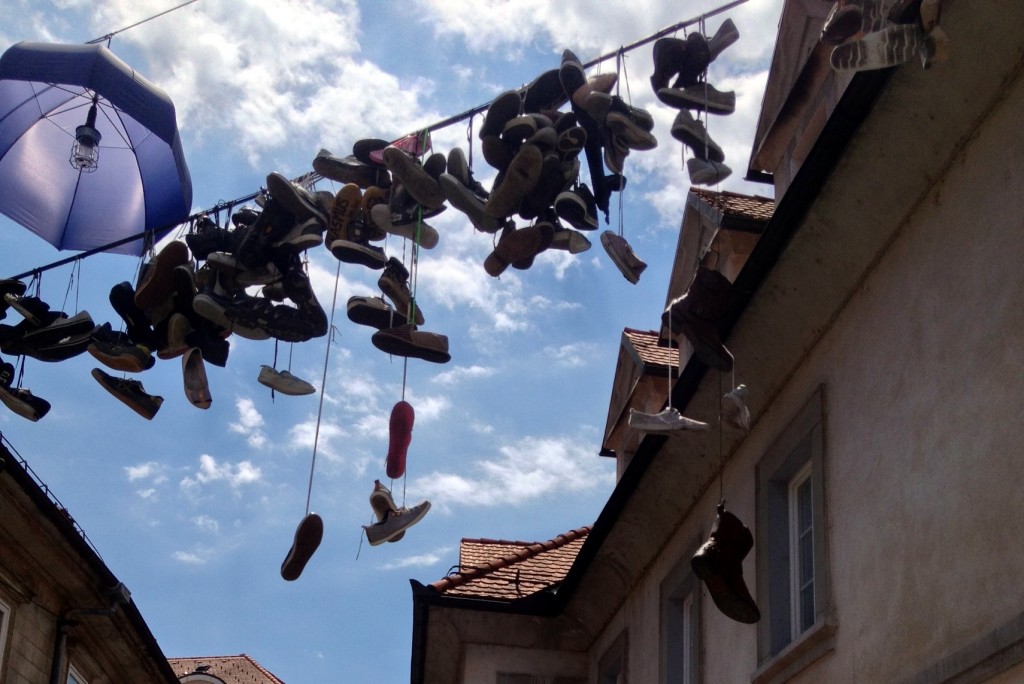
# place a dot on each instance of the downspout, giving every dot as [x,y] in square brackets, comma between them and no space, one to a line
[60,645]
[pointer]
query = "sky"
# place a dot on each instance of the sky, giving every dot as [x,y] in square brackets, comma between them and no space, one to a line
[195,510]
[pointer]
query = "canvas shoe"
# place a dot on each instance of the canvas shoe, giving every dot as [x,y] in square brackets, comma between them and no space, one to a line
[406,341]
[373,196]
[734,408]
[197,389]
[469,202]
[726,35]
[9,286]
[284,382]
[888,47]
[349,170]
[703,97]
[383,505]
[121,354]
[24,403]
[691,132]
[137,322]
[294,199]
[345,206]
[425,235]
[696,315]
[578,208]
[417,181]
[668,420]
[668,53]
[518,129]
[394,282]
[544,93]
[301,236]
[290,324]
[131,393]
[458,168]
[502,109]
[374,312]
[719,564]
[178,329]
[368,152]
[705,172]
[395,523]
[517,180]
[571,74]
[399,438]
[615,153]
[516,245]
[213,307]
[308,536]
[695,61]
[569,240]
[628,263]
[155,283]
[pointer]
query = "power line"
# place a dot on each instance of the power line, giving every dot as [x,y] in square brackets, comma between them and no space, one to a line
[114,33]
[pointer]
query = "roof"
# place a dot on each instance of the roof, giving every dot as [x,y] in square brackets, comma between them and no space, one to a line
[733,204]
[237,669]
[645,342]
[507,570]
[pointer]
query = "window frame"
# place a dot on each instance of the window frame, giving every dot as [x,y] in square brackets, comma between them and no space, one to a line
[614,662]
[5,621]
[74,676]
[797,456]
[680,588]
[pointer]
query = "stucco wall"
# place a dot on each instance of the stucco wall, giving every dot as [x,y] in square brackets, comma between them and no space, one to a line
[924,458]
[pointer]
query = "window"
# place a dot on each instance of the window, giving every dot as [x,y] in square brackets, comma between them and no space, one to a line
[5,613]
[796,626]
[612,667]
[74,677]
[680,625]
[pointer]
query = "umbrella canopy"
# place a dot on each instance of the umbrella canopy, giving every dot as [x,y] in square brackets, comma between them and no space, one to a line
[140,182]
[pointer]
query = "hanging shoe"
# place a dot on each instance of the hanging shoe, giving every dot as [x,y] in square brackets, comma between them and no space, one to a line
[197,389]
[156,282]
[515,182]
[308,536]
[569,240]
[417,230]
[395,523]
[469,202]
[726,35]
[578,208]
[701,97]
[691,132]
[294,199]
[383,505]
[734,408]
[22,402]
[705,172]
[516,245]
[284,382]
[421,185]
[719,564]
[118,352]
[882,49]
[697,313]
[667,420]
[628,263]
[406,341]
[374,312]
[399,438]
[394,282]
[131,393]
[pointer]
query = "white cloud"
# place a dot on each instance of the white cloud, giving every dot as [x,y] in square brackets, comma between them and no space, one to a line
[524,471]
[146,493]
[424,560]
[458,374]
[206,523]
[249,423]
[236,475]
[575,355]
[198,557]
[143,471]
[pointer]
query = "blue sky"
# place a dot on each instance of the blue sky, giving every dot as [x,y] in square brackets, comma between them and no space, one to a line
[195,510]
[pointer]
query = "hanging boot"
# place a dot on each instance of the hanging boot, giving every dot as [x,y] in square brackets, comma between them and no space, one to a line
[719,564]
[697,314]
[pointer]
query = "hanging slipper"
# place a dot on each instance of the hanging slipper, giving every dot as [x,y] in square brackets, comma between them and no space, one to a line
[399,438]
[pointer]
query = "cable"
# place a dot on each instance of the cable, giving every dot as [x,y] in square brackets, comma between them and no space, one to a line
[114,33]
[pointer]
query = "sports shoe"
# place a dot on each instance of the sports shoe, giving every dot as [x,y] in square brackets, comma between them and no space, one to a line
[726,35]
[22,402]
[569,240]
[719,564]
[137,322]
[405,340]
[668,420]
[695,61]
[734,408]
[705,172]
[308,536]
[668,53]
[628,263]
[416,230]
[842,23]
[156,282]
[348,170]
[889,47]
[515,245]
[703,97]
[395,523]
[468,202]
[421,185]
[394,282]
[383,505]
[344,239]
[502,109]
[544,93]
[515,182]
[178,329]
[374,312]
[578,208]
[458,167]
[197,389]
[131,393]
[416,144]
[296,200]
[697,313]
[301,236]
[284,382]
[399,437]
[121,355]
[692,133]
[213,307]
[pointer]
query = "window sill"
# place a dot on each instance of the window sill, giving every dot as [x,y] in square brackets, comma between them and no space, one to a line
[812,645]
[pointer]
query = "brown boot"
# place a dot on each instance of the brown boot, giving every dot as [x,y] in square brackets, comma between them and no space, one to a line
[719,564]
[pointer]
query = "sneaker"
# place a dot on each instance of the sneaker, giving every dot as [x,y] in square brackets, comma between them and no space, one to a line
[406,341]
[374,312]
[726,35]
[458,167]
[22,402]
[703,97]
[394,282]
[469,202]
[346,205]
[399,438]
[296,200]
[692,133]
[197,388]
[578,208]
[213,307]
[395,523]
[417,181]
[734,408]
[668,53]
[137,322]
[156,283]
[889,47]
[131,393]
[368,151]
[302,236]
[122,356]
[705,172]
[842,24]
[569,240]
[628,263]
[416,230]
[383,505]
[695,61]
[544,93]
[668,420]
[515,182]
[348,170]
[501,110]
[697,315]
[284,382]
[308,536]
[516,245]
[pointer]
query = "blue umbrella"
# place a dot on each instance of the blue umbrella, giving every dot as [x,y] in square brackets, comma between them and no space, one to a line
[89,150]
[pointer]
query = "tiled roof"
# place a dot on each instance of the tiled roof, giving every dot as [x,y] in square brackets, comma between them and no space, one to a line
[506,570]
[751,207]
[645,342]
[239,669]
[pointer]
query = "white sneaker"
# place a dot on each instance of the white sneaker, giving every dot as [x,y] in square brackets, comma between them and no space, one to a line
[284,382]
[734,408]
[395,523]
[668,420]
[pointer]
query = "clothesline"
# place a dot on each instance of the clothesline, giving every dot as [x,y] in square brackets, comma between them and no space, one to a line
[312,177]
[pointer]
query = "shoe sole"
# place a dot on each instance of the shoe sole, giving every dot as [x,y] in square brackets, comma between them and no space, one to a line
[308,536]
[107,382]
[466,201]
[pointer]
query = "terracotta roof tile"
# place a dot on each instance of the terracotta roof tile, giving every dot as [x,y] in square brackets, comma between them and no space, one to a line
[751,207]
[645,342]
[506,570]
[239,669]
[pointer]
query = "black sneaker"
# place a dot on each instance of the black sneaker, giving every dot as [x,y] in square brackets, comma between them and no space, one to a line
[22,402]
[139,327]
[131,393]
